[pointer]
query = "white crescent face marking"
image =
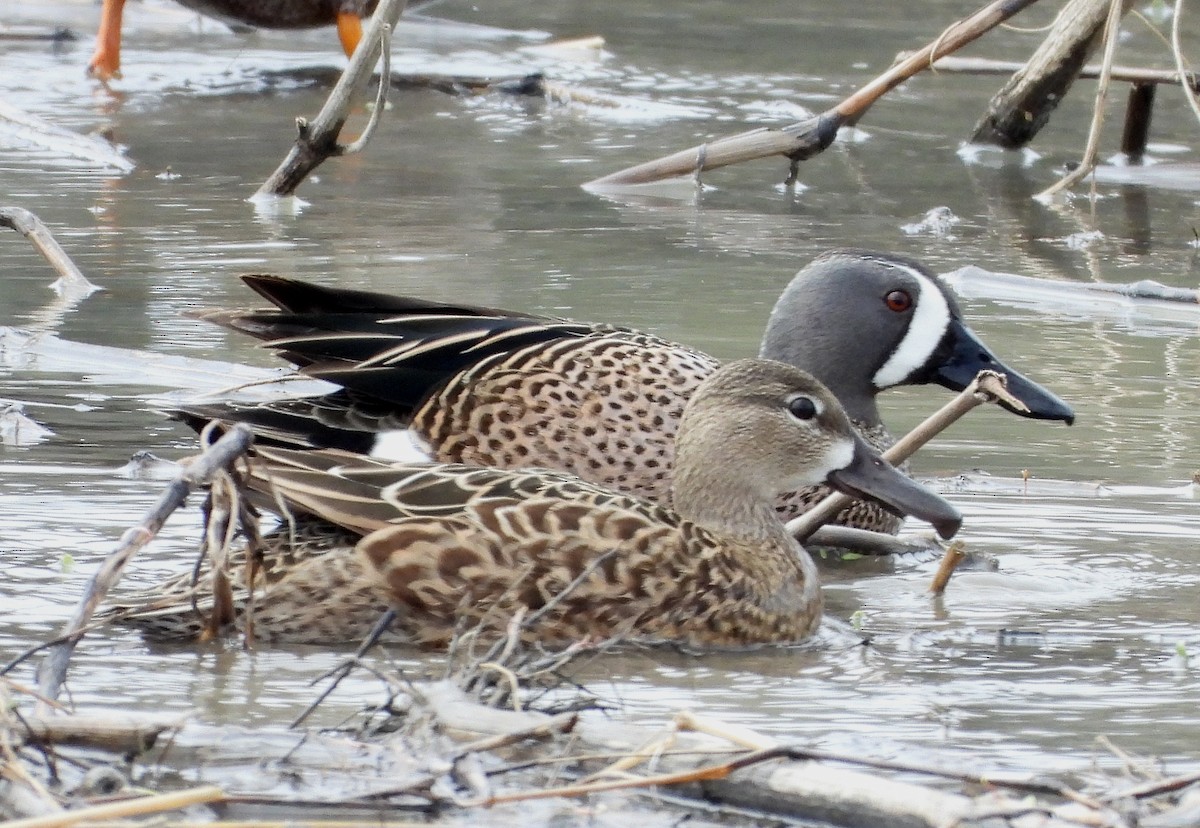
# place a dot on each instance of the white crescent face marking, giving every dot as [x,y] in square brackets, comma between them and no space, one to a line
[925,330]
[401,446]
[837,456]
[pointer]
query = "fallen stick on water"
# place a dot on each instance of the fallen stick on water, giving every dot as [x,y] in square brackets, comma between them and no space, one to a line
[52,671]
[317,140]
[805,139]
[71,282]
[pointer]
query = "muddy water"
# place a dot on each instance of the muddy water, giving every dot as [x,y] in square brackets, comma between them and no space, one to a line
[1088,628]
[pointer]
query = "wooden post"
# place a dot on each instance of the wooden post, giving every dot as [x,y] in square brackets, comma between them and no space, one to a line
[1137,121]
[1023,106]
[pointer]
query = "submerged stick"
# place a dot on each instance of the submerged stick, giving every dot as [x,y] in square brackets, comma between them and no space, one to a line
[318,139]
[71,282]
[988,386]
[807,138]
[953,557]
[52,671]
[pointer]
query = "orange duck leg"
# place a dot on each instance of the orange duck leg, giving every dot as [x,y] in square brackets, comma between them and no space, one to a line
[274,14]
[106,60]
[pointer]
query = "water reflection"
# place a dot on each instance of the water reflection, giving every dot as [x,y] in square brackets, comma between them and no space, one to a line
[478,199]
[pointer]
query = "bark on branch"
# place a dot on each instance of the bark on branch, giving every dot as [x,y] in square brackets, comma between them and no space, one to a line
[1023,106]
[52,671]
[318,139]
[807,138]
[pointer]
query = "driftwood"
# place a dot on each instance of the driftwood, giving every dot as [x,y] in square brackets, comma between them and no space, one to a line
[318,140]
[52,670]
[805,139]
[113,731]
[1029,286]
[1112,26]
[29,128]
[1023,106]
[71,280]
[1142,91]
[778,779]
[71,287]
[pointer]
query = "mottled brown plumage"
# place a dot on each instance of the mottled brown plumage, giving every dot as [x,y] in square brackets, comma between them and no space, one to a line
[488,387]
[450,543]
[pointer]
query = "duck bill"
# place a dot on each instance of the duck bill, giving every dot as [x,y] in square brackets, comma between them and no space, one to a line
[967,356]
[871,477]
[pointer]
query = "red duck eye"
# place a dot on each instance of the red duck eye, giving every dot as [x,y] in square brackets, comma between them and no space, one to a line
[898,301]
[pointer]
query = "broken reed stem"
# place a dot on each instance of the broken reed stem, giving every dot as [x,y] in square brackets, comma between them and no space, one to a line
[1088,162]
[126,808]
[1180,63]
[318,139]
[72,281]
[988,386]
[950,561]
[52,671]
[805,139]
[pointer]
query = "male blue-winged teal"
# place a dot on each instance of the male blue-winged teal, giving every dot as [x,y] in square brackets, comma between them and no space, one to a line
[449,544]
[270,14]
[494,388]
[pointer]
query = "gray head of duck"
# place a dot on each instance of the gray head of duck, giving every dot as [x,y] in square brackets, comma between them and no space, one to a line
[758,427]
[862,321]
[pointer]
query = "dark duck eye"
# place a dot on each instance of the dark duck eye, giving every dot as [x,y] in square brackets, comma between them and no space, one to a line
[802,408]
[898,301]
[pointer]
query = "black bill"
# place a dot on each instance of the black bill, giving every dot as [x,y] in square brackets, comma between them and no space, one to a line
[870,476]
[965,356]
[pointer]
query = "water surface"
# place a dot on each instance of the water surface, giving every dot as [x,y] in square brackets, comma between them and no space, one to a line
[1088,628]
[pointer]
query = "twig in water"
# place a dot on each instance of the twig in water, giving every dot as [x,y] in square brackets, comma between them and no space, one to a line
[52,670]
[988,386]
[140,806]
[1180,66]
[1088,162]
[806,139]
[723,771]
[950,561]
[381,626]
[318,139]
[71,279]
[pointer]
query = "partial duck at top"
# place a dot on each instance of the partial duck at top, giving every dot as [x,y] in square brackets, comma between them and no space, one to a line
[269,14]
[485,387]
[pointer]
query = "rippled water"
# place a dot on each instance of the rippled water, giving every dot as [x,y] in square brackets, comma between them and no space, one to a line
[1088,628]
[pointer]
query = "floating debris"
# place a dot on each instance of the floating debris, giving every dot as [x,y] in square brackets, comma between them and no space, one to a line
[16,429]
[937,222]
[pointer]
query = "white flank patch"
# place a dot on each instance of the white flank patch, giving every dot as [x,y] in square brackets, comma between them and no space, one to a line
[925,331]
[401,446]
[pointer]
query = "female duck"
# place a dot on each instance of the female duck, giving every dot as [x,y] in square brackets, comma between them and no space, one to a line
[449,543]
